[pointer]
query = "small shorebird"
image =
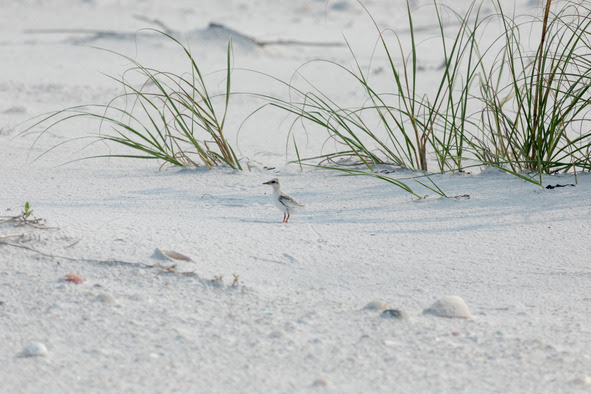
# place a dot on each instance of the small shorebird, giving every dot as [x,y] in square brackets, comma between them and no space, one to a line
[284,202]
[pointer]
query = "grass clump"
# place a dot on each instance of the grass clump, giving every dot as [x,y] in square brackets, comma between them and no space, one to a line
[495,103]
[537,105]
[401,127]
[168,117]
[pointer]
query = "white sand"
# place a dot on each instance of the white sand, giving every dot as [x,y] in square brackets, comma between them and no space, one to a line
[517,254]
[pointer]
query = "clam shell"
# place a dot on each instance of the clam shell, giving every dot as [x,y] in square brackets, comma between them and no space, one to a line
[450,306]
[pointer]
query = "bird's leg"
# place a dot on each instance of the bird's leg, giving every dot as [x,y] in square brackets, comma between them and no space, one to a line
[287,218]
[284,221]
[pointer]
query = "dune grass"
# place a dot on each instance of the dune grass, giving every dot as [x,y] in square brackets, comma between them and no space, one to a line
[412,125]
[536,106]
[496,104]
[167,117]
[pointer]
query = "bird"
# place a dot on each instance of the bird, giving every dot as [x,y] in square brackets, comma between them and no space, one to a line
[284,202]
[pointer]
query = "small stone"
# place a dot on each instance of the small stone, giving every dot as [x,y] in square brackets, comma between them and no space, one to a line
[34,349]
[395,314]
[376,305]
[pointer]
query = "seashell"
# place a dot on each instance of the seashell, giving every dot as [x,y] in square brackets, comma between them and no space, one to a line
[395,314]
[74,278]
[450,306]
[166,254]
[34,349]
[376,305]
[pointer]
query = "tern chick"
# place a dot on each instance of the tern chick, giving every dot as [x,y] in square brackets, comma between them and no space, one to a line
[284,202]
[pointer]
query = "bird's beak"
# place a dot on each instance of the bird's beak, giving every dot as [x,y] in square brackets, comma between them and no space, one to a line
[267,183]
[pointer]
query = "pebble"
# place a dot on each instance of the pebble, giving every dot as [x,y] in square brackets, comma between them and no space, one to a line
[395,314]
[34,349]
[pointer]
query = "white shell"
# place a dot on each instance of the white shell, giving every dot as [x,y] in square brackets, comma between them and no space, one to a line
[34,349]
[376,305]
[450,306]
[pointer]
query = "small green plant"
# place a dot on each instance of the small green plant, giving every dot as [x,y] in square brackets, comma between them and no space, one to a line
[26,212]
[25,218]
[235,282]
[168,117]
